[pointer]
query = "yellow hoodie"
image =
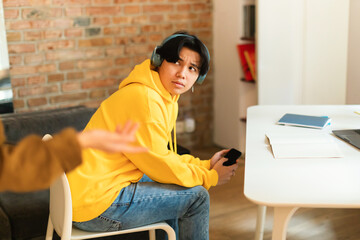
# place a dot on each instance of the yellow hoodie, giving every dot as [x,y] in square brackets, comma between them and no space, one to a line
[141,98]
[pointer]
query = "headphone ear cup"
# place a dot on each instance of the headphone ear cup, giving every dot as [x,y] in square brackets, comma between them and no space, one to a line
[156,59]
[200,79]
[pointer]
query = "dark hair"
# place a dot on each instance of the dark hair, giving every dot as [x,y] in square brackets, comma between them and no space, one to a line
[171,47]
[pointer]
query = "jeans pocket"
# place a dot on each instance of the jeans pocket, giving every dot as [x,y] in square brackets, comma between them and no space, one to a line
[101,224]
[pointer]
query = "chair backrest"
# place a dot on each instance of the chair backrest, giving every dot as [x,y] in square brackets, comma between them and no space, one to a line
[61,207]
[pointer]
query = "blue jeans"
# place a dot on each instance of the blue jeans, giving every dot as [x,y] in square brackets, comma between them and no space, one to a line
[186,210]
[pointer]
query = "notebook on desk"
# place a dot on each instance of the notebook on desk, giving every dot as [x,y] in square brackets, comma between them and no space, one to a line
[351,136]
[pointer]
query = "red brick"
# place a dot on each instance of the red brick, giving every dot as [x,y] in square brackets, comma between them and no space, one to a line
[157,28]
[184,7]
[62,23]
[94,53]
[98,83]
[123,61]
[18,103]
[94,74]
[71,2]
[15,60]
[31,24]
[69,65]
[115,51]
[13,36]
[102,2]
[38,90]
[36,101]
[122,40]
[36,80]
[128,1]
[25,3]
[112,30]
[103,11]
[33,35]
[74,75]
[132,9]
[202,7]
[142,19]
[101,21]
[21,48]
[17,82]
[98,93]
[55,77]
[73,11]
[32,13]
[11,13]
[74,32]
[182,16]
[158,8]
[197,25]
[137,49]
[131,30]
[122,20]
[62,44]
[33,58]
[68,97]
[95,42]
[52,34]
[20,70]
[156,18]
[120,71]
[64,55]
[46,68]
[92,64]
[70,86]
[92,104]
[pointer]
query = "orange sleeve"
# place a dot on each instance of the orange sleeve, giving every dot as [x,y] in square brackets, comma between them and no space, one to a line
[33,164]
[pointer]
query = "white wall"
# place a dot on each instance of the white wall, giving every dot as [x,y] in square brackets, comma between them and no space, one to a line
[353,77]
[226,73]
[4,57]
[302,51]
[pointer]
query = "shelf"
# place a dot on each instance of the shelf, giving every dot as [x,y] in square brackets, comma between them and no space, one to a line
[243,80]
[252,39]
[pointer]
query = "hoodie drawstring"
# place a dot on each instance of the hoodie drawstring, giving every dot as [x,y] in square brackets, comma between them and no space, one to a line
[173,147]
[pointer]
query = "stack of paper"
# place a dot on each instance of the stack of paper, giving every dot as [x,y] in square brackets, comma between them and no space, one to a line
[307,145]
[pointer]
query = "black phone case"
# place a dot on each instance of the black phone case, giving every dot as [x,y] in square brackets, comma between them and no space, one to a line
[232,155]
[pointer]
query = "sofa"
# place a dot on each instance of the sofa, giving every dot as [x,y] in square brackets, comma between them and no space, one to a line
[25,215]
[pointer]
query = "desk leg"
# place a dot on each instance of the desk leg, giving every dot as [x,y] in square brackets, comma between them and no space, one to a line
[260,222]
[282,216]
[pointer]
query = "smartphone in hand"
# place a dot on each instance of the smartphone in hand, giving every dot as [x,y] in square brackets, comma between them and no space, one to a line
[232,156]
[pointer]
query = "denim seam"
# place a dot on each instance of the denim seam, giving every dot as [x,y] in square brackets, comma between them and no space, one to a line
[114,222]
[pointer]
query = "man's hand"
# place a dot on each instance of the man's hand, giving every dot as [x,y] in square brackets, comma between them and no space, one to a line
[224,172]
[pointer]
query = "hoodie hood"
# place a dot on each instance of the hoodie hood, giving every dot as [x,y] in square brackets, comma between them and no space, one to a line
[143,74]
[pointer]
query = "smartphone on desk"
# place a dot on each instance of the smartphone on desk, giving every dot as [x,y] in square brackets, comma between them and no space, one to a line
[232,156]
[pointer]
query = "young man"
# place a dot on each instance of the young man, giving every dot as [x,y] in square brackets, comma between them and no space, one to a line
[120,191]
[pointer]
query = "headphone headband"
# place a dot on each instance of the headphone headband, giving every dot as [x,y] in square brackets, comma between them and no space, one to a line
[156,59]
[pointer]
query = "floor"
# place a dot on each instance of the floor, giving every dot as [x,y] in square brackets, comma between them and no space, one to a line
[233,217]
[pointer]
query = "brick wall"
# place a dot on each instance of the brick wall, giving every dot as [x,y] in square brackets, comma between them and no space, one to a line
[76,52]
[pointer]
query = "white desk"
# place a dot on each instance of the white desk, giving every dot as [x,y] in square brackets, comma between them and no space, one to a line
[287,184]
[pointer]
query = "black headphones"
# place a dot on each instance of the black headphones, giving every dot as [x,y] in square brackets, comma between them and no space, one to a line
[156,59]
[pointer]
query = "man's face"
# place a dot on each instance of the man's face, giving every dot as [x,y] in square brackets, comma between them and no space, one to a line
[179,77]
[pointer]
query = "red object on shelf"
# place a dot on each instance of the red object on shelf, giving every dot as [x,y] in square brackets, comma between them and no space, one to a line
[250,48]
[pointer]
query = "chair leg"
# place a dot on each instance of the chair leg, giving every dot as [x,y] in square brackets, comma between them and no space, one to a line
[152,235]
[49,230]
[170,232]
